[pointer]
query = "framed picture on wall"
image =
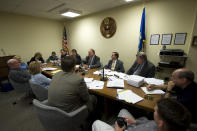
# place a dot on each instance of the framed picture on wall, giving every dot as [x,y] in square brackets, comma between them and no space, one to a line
[166,39]
[194,41]
[180,38]
[154,40]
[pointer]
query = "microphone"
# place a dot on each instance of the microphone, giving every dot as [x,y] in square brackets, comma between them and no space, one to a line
[2,50]
[103,77]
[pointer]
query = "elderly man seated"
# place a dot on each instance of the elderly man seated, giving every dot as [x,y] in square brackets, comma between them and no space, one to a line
[16,73]
[142,66]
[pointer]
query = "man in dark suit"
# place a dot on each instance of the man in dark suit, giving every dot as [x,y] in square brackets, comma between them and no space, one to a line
[68,90]
[76,56]
[142,66]
[92,61]
[115,64]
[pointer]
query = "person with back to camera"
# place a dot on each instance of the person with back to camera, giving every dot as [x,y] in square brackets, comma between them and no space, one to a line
[36,75]
[169,115]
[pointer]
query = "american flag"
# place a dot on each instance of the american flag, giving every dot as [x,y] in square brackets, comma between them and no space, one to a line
[64,41]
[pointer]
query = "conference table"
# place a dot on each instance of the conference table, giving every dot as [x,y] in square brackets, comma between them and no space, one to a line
[111,93]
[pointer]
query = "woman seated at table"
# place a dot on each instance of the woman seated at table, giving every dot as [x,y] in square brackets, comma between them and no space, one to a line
[36,76]
[53,57]
[22,64]
[37,57]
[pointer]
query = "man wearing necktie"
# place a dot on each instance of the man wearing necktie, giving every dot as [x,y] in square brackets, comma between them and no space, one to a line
[92,61]
[115,64]
[142,66]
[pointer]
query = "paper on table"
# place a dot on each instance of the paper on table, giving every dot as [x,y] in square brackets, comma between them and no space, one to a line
[153,81]
[118,83]
[97,73]
[48,69]
[56,71]
[112,78]
[87,80]
[129,96]
[95,84]
[157,91]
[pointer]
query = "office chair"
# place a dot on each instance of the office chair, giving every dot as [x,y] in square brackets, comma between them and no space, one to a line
[22,89]
[39,91]
[54,119]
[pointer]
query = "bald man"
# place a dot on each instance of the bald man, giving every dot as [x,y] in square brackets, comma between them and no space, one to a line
[92,61]
[184,87]
[16,73]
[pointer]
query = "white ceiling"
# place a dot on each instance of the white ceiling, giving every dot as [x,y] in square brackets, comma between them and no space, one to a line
[51,8]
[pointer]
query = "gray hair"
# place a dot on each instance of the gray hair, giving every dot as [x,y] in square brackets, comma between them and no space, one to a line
[10,62]
[186,73]
[142,55]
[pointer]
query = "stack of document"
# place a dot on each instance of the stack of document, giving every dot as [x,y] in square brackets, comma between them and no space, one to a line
[128,96]
[97,73]
[135,80]
[157,91]
[118,83]
[95,84]
[153,81]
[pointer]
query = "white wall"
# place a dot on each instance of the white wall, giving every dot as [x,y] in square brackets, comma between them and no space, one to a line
[25,35]
[162,16]
[192,62]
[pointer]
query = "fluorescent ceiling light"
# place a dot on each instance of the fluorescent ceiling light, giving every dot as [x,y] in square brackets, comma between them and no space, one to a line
[129,0]
[70,14]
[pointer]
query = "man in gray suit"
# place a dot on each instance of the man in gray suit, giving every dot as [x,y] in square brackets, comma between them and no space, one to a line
[142,66]
[115,64]
[68,90]
[92,61]
[169,115]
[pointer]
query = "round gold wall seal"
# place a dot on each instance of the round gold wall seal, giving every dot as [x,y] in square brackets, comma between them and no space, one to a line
[108,27]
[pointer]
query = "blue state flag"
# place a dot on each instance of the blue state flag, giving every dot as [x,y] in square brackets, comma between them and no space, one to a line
[142,32]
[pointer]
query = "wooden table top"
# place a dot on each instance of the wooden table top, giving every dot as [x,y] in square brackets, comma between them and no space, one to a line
[112,92]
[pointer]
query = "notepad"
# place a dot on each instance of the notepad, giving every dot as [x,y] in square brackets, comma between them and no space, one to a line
[95,84]
[129,96]
[118,83]
[88,80]
[157,91]
[153,81]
